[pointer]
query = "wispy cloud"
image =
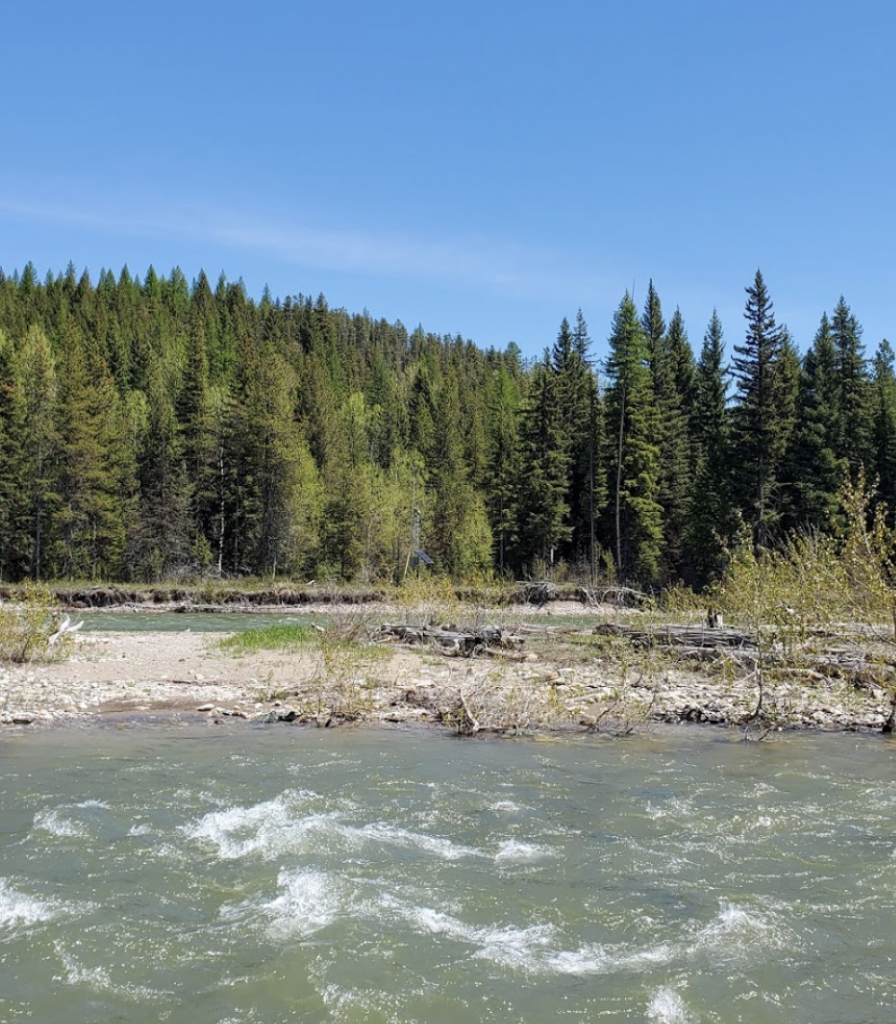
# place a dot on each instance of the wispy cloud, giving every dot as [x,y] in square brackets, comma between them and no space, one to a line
[475,261]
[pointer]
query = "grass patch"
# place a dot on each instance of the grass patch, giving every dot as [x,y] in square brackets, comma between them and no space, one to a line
[270,638]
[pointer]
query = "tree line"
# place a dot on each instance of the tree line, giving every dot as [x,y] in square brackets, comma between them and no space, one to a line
[153,429]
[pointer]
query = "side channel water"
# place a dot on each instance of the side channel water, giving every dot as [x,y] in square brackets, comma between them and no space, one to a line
[197,622]
[266,875]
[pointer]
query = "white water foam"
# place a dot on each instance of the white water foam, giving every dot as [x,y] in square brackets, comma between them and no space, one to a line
[677,807]
[310,900]
[285,825]
[667,1007]
[99,979]
[18,910]
[307,902]
[734,934]
[507,806]
[521,948]
[57,824]
[738,932]
[268,828]
[513,850]
[443,848]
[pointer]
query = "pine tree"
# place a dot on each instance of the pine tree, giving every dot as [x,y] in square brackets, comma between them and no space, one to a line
[654,327]
[577,395]
[855,409]
[95,474]
[13,538]
[632,428]
[162,538]
[503,455]
[200,441]
[458,537]
[421,411]
[542,511]
[671,364]
[36,385]
[813,468]
[349,479]
[759,437]
[267,454]
[787,381]
[885,422]
[712,522]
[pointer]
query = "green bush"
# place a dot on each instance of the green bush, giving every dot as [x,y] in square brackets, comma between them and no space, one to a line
[29,628]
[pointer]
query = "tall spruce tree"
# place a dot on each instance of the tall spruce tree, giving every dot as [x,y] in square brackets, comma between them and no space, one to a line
[671,364]
[885,422]
[813,468]
[759,435]
[590,492]
[162,538]
[267,452]
[458,536]
[95,473]
[349,484]
[580,426]
[712,521]
[855,408]
[633,428]
[36,386]
[542,510]
[13,529]
[195,414]
[503,461]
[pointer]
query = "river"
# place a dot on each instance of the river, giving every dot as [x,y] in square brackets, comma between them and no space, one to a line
[259,875]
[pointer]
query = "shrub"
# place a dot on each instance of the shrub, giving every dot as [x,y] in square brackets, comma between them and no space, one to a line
[30,629]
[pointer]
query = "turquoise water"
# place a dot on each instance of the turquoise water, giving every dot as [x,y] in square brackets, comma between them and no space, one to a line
[197,622]
[143,620]
[259,875]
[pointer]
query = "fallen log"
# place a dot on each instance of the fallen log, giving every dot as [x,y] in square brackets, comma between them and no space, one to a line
[453,641]
[679,636]
[621,597]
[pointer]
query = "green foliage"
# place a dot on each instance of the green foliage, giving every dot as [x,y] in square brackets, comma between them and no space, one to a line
[672,370]
[152,429]
[633,433]
[885,422]
[813,466]
[854,408]
[502,461]
[812,578]
[541,506]
[762,416]
[28,627]
[712,522]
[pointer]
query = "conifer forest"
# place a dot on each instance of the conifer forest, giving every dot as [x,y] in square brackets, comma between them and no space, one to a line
[154,429]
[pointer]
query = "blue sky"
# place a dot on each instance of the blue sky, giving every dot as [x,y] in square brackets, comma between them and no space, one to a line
[481,168]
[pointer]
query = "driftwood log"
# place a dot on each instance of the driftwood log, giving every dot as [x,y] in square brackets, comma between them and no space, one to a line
[679,636]
[621,597]
[450,641]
